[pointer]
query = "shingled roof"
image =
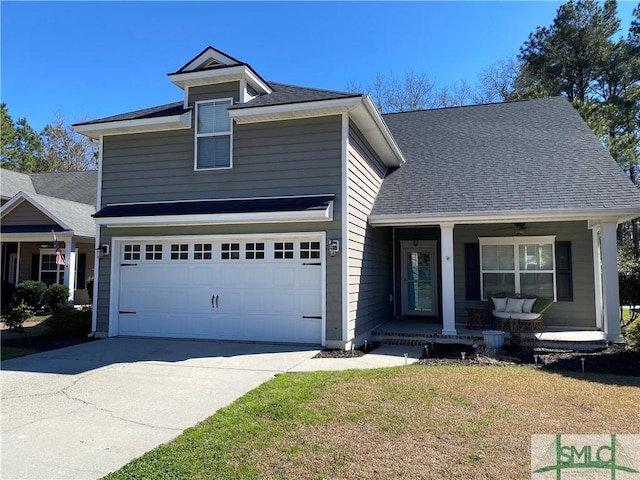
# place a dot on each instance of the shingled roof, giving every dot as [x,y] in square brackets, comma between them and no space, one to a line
[78,187]
[169,109]
[285,94]
[518,156]
[282,95]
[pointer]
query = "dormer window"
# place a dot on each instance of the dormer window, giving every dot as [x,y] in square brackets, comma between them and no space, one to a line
[213,135]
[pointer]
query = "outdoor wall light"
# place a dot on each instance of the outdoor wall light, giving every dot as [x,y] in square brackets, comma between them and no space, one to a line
[334,247]
[102,250]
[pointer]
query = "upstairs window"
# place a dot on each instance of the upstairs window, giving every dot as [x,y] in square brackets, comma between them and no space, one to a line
[213,134]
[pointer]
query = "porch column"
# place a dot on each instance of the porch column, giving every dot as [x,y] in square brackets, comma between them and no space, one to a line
[610,288]
[448,284]
[16,280]
[70,267]
[597,275]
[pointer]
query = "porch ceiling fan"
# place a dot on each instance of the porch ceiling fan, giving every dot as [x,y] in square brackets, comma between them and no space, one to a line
[518,229]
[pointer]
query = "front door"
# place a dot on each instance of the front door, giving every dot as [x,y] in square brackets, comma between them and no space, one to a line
[419,280]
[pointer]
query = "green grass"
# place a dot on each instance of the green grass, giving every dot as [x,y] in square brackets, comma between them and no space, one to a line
[411,422]
[9,352]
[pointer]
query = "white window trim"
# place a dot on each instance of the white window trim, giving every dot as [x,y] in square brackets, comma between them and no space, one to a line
[516,242]
[213,134]
[60,269]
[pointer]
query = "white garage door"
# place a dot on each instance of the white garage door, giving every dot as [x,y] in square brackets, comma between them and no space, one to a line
[258,288]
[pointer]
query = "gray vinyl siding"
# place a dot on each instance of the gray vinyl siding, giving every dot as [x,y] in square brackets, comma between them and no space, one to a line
[293,157]
[369,275]
[212,92]
[290,157]
[580,313]
[26,214]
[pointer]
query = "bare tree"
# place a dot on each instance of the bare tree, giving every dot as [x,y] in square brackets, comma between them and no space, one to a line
[458,94]
[65,149]
[495,83]
[393,93]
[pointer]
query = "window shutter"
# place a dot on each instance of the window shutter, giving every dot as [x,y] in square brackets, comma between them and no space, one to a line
[472,271]
[564,275]
[35,266]
[81,272]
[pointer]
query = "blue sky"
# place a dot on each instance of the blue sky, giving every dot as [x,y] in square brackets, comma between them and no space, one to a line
[94,59]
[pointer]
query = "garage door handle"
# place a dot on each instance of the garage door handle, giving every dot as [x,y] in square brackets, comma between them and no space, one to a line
[217,301]
[214,301]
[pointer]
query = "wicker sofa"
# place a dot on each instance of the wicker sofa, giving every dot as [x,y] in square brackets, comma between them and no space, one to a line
[514,312]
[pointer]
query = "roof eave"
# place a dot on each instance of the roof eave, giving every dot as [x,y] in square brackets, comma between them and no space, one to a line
[593,216]
[222,75]
[141,125]
[370,123]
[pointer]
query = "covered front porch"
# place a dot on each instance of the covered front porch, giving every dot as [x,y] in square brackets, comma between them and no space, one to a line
[440,271]
[33,257]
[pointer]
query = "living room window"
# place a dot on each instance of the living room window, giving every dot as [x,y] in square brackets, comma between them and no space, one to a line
[213,135]
[50,271]
[518,264]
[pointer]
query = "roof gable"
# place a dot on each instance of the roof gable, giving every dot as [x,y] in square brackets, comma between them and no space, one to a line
[212,66]
[70,216]
[208,58]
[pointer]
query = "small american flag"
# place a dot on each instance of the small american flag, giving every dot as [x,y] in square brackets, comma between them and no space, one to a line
[56,246]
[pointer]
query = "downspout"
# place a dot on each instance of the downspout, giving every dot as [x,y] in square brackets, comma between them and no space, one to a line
[96,260]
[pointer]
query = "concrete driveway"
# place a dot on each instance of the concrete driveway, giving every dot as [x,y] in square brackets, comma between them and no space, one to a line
[84,411]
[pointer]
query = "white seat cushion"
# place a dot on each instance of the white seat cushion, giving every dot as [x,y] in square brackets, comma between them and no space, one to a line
[514,305]
[499,303]
[528,304]
[515,315]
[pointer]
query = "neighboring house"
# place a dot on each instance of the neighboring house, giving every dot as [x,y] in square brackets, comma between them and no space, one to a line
[33,207]
[259,211]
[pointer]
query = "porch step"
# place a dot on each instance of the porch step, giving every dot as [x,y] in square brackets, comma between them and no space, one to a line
[526,340]
[421,339]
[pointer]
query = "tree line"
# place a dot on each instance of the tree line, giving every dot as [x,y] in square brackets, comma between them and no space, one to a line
[57,148]
[582,56]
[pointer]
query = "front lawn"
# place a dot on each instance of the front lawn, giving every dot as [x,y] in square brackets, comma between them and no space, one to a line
[412,422]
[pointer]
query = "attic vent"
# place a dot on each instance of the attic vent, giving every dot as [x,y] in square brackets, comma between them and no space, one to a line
[210,63]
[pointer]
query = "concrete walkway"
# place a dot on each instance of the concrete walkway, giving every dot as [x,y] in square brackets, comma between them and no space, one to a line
[84,411]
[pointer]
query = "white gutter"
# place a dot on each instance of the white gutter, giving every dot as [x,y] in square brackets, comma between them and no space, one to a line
[618,215]
[155,124]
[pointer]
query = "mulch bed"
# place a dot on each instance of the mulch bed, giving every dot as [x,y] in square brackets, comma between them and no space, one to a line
[612,361]
[355,353]
[43,343]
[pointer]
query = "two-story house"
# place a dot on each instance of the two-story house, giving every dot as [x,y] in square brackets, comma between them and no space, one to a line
[259,211]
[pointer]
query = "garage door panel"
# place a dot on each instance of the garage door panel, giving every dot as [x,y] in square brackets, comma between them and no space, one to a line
[283,276]
[262,299]
[309,276]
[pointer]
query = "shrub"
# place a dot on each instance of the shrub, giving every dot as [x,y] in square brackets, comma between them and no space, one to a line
[57,296]
[632,334]
[8,290]
[17,316]
[32,293]
[70,323]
